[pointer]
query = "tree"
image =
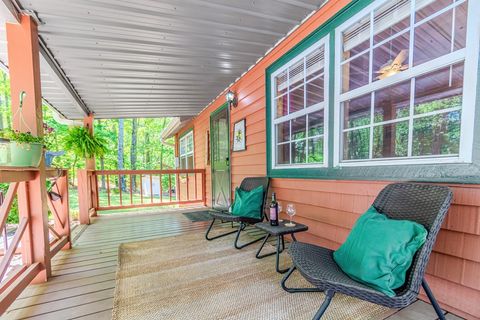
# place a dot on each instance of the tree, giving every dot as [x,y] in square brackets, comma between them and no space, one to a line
[133,151]
[102,162]
[120,152]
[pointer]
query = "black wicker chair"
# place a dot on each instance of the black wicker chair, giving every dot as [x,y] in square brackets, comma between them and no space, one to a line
[422,203]
[224,216]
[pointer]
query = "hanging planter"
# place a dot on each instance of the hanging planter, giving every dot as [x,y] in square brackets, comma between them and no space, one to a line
[20,149]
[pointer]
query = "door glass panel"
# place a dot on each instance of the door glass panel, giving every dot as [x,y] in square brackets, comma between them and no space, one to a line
[220,160]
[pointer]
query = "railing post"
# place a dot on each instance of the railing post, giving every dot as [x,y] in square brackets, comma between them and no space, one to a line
[84,196]
[24,70]
[94,192]
[61,215]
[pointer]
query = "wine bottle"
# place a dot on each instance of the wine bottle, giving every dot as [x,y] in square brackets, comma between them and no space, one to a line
[274,211]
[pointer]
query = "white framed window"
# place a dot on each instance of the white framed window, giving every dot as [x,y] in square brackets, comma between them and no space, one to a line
[186,151]
[406,73]
[299,110]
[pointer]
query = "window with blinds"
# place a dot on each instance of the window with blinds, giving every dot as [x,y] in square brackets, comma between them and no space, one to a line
[299,109]
[186,151]
[401,90]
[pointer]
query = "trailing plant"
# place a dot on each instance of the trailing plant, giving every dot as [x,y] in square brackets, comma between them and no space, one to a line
[20,137]
[83,144]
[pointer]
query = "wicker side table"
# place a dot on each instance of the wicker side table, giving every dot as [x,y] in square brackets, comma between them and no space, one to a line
[279,232]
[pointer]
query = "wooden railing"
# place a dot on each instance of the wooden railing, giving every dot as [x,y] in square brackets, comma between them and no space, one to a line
[33,230]
[122,189]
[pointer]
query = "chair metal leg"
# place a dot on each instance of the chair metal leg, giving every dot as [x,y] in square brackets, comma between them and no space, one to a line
[294,290]
[261,256]
[432,299]
[216,237]
[237,238]
[328,298]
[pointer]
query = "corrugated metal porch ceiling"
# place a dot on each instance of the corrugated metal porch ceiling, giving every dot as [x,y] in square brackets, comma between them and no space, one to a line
[148,58]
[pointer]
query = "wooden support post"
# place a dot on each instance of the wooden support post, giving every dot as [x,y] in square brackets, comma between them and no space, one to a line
[90,165]
[24,69]
[84,196]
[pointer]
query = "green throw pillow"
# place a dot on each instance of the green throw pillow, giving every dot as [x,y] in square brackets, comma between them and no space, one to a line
[248,203]
[379,251]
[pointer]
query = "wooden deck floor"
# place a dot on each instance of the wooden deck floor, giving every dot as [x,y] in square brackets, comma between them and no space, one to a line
[84,277]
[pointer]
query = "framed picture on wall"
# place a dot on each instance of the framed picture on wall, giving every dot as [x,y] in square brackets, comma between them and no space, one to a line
[239,136]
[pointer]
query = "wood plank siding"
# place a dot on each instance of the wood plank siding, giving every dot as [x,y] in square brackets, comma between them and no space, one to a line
[330,207]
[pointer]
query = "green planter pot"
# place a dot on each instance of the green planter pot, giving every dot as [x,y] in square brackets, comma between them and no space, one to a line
[4,152]
[25,154]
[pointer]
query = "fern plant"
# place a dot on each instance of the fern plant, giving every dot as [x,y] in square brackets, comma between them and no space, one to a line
[83,144]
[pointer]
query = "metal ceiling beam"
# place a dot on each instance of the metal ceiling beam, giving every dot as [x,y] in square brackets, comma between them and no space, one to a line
[61,75]
[9,11]
[13,9]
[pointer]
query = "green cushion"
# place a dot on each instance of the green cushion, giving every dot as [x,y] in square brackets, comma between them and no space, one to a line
[379,251]
[248,203]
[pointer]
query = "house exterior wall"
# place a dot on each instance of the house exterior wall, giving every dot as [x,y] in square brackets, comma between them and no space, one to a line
[330,203]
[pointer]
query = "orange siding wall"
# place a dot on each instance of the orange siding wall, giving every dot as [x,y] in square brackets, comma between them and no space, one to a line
[330,207]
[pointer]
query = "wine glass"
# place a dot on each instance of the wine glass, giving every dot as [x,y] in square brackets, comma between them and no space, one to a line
[279,211]
[291,211]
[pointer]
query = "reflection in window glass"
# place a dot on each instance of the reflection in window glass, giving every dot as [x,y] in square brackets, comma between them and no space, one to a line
[356,112]
[439,90]
[390,19]
[283,153]
[299,152]
[315,150]
[391,57]
[299,128]
[392,102]
[415,113]
[315,123]
[299,97]
[356,144]
[355,73]
[297,101]
[283,131]
[437,135]
[315,91]
[434,34]
[282,106]
[390,140]
[356,39]
[281,84]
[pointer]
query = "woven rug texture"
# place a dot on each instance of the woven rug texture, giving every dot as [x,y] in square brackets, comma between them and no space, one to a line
[187,277]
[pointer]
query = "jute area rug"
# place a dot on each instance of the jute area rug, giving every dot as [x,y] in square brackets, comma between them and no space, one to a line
[187,277]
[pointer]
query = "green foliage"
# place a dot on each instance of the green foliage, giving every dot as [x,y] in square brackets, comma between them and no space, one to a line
[13,216]
[19,137]
[83,144]
[151,153]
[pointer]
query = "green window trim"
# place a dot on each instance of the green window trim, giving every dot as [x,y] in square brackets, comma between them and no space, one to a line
[451,172]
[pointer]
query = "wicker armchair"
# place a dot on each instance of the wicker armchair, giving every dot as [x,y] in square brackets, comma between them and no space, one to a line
[224,216]
[422,203]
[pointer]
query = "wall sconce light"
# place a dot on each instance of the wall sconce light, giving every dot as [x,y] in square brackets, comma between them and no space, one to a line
[231,99]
